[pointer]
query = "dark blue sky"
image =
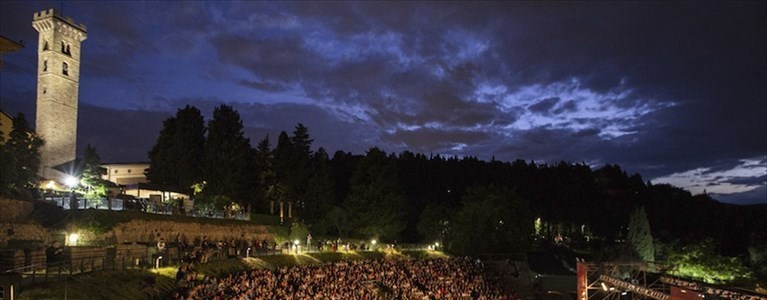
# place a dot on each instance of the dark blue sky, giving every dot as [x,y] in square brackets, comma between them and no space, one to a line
[674,91]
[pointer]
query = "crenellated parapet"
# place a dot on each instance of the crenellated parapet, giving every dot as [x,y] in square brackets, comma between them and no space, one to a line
[51,20]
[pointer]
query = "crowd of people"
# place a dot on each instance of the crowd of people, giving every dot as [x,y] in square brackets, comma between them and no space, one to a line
[444,278]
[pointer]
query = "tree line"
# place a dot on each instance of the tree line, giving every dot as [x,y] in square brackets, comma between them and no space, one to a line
[462,202]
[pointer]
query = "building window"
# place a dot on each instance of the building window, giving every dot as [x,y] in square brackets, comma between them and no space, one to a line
[65,69]
[128,170]
[45,65]
[65,49]
[45,46]
[115,171]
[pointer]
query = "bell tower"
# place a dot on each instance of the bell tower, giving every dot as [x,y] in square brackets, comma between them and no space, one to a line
[58,80]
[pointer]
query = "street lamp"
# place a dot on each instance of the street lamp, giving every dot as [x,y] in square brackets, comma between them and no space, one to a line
[296,244]
[72,182]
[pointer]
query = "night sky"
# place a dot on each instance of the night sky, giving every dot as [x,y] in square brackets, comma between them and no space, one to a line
[674,91]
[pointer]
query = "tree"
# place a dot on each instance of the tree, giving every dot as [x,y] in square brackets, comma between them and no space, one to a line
[264,168]
[640,235]
[319,189]
[338,217]
[434,223]
[292,159]
[229,158]
[298,232]
[491,219]
[177,157]
[699,261]
[94,186]
[375,204]
[20,157]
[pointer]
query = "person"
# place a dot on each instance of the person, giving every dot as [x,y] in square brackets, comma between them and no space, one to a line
[308,241]
[54,254]
[161,246]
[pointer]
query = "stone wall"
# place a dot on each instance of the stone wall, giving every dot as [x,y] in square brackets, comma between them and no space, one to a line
[12,210]
[142,231]
[14,216]
[15,225]
[23,232]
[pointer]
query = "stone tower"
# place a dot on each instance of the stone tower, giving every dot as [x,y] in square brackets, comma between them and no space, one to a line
[58,80]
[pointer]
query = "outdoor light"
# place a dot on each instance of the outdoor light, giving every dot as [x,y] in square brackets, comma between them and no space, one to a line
[436,244]
[72,238]
[624,293]
[296,242]
[71,181]
[51,185]
[604,286]
[247,254]
[373,242]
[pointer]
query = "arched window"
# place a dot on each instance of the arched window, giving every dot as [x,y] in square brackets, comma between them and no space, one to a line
[45,47]
[63,48]
[65,69]
[45,65]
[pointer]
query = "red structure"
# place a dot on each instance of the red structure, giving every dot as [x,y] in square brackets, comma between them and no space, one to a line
[602,281]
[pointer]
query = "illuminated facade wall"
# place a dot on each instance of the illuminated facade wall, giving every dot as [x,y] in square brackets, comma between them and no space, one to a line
[125,173]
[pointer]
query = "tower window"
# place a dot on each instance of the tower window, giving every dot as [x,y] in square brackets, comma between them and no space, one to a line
[65,49]
[65,69]
[45,46]
[45,65]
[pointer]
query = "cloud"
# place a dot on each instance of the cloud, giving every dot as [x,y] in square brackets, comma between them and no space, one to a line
[543,106]
[745,176]
[263,85]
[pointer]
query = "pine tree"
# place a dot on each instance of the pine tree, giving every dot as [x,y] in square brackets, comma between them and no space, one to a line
[264,169]
[177,157]
[20,160]
[319,190]
[95,187]
[229,158]
[640,235]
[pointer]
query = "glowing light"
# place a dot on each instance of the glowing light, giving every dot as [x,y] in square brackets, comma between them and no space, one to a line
[72,238]
[296,242]
[436,244]
[604,286]
[51,185]
[373,242]
[71,181]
